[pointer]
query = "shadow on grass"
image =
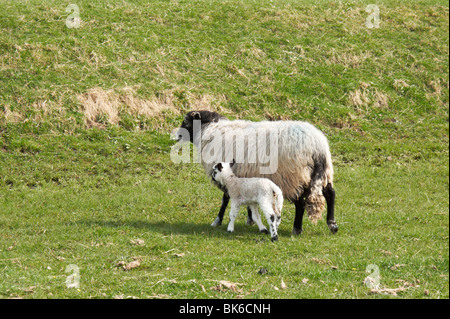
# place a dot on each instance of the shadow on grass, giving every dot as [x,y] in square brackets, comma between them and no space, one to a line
[182,228]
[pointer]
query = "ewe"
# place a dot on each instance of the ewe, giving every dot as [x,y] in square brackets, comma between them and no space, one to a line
[299,162]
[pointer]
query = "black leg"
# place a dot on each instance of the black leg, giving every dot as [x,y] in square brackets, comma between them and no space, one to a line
[249,216]
[299,210]
[219,218]
[225,200]
[329,194]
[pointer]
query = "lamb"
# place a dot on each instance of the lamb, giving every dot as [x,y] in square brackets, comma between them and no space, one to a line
[252,192]
[300,162]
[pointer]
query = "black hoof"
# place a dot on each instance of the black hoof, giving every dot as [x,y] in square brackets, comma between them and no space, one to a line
[274,238]
[333,226]
[265,231]
[297,231]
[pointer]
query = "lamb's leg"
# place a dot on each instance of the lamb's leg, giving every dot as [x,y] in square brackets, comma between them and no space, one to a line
[257,219]
[298,221]
[271,219]
[278,220]
[329,194]
[249,216]
[233,214]
[219,218]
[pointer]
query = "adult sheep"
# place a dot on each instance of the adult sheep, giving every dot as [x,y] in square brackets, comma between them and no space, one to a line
[303,171]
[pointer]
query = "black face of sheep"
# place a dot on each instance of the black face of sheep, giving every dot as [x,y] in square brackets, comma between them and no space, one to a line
[204,117]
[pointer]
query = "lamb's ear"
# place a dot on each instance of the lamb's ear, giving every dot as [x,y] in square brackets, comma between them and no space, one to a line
[233,162]
[219,167]
[196,115]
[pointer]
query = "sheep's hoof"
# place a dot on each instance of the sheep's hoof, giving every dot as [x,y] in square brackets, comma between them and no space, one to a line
[297,231]
[229,231]
[274,238]
[216,222]
[265,231]
[332,226]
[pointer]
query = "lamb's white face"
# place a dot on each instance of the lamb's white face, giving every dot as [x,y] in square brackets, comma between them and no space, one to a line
[219,170]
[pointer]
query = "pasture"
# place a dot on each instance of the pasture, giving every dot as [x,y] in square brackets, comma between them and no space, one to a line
[87,186]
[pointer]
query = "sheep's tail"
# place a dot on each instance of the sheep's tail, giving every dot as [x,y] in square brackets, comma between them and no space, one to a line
[315,203]
[321,176]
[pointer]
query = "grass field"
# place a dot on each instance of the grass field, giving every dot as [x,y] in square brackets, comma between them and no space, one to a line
[85,172]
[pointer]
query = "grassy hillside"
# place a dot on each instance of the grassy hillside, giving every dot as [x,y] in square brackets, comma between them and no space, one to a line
[85,117]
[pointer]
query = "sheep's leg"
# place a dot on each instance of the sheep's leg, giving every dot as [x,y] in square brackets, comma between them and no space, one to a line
[271,219]
[329,194]
[299,211]
[233,214]
[219,218]
[257,219]
[249,216]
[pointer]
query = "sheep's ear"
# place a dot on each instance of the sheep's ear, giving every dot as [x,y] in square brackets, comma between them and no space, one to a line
[233,162]
[196,115]
[219,167]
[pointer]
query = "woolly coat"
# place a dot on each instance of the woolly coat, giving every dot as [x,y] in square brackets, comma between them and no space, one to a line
[302,154]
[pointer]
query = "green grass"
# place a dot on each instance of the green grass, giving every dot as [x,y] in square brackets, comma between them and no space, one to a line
[77,192]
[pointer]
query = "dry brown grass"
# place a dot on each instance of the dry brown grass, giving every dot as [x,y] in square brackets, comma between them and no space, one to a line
[41,110]
[348,60]
[437,87]
[358,98]
[10,116]
[366,96]
[101,107]
[437,90]
[399,84]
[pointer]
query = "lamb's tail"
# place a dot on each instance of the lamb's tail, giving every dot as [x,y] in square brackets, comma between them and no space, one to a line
[277,201]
